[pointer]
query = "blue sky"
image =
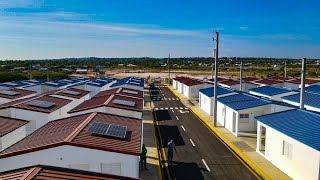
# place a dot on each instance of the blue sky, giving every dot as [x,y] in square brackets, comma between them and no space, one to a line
[36,29]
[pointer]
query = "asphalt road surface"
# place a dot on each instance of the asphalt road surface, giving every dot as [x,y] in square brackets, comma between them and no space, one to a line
[200,154]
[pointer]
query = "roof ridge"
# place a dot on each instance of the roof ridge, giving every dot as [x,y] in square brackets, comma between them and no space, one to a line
[119,90]
[31,173]
[80,127]
[109,99]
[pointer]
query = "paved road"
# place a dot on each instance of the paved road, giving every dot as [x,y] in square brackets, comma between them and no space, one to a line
[200,155]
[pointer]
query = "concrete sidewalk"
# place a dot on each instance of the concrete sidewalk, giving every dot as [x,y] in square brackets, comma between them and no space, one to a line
[149,139]
[246,146]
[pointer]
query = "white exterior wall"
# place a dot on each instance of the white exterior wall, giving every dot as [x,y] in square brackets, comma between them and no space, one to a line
[247,86]
[192,91]
[277,97]
[64,156]
[304,162]
[93,90]
[180,87]
[305,106]
[291,85]
[236,86]
[205,103]
[174,84]
[5,112]
[12,137]
[36,88]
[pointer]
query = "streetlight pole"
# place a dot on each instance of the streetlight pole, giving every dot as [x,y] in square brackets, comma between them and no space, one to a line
[241,76]
[216,80]
[168,67]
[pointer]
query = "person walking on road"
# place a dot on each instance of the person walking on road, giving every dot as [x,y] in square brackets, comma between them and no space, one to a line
[143,157]
[171,146]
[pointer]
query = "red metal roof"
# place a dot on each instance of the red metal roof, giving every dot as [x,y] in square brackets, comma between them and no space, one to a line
[121,91]
[22,93]
[8,125]
[108,101]
[219,79]
[189,81]
[268,81]
[230,82]
[57,173]
[73,131]
[281,78]
[82,93]
[308,81]
[249,79]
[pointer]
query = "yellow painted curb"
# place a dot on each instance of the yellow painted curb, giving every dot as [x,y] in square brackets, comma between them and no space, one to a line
[177,94]
[155,140]
[244,157]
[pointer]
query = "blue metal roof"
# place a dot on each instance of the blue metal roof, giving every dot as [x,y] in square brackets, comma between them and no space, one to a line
[129,80]
[310,99]
[313,88]
[56,83]
[210,91]
[269,90]
[14,84]
[243,101]
[301,125]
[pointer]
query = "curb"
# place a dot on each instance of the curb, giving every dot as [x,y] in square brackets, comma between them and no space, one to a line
[232,147]
[178,95]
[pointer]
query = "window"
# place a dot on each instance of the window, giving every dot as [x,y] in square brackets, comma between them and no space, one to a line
[112,168]
[244,115]
[287,150]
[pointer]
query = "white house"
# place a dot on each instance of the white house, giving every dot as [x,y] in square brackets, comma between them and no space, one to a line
[9,95]
[76,142]
[175,82]
[11,131]
[236,112]
[290,140]
[269,82]
[58,173]
[311,100]
[113,104]
[192,87]
[39,110]
[296,83]
[206,97]
[230,83]
[271,92]
[248,83]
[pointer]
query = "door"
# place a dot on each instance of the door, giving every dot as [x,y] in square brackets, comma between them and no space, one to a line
[234,122]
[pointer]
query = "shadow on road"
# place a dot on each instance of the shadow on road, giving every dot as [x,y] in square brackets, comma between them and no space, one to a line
[171,132]
[183,170]
[162,115]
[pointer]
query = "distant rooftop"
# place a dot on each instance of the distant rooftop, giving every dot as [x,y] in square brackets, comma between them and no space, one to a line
[242,101]
[268,81]
[310,99]
[210,91]
[269,90]
[230,82]
[15,93]
[129,81]
[301,125]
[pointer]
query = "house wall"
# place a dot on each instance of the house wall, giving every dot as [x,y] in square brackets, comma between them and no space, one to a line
[180,87]
[236,86]
[247,86]
[303,163]
[12,137]
[291,85]
[93,90]
[205,104]
[36,88]
[174,84]
[193,91]
[5,112]
[65,156]
[305,106]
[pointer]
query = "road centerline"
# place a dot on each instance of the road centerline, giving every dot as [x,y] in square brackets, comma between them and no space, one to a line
[204,162]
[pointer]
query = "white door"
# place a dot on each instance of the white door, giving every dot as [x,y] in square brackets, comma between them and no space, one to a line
[234,122]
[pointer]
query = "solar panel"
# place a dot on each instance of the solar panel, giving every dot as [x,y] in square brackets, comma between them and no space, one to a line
[75,93]
[124,102]
[130,92]
[42,104]
[10,93]
[108,129]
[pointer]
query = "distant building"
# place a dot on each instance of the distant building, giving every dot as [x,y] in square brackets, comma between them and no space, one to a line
[290,140]
[269,82]
[187,86]
[230,83]
[296,83]
[82,71]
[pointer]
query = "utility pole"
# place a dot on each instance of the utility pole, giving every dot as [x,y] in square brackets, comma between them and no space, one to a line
[168,67]
[216,80]
[303,79]
[214,55]
[285,69]
[30,70]
[241,76]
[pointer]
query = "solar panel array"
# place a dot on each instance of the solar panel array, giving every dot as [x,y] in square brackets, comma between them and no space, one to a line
[108,129]
[75,93]
[124,102]
[137,83]
[10,93]
[42,104]
[11,83]
[130,92]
